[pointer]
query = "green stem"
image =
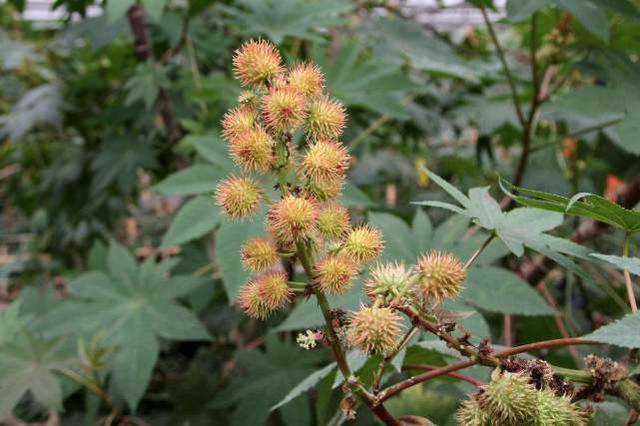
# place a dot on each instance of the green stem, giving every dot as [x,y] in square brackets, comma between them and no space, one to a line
[627,276]
[478,252]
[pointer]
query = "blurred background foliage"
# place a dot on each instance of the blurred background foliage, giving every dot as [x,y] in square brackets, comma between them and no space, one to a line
[109,131]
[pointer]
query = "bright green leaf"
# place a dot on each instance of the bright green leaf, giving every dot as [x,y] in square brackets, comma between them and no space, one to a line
[193,220]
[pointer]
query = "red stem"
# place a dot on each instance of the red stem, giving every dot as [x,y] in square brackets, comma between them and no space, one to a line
[427,367]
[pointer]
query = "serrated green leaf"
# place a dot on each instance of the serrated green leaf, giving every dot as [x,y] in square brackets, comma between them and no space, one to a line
[196,218]
[308,383]
[516,296]
[623,332]
[197,179]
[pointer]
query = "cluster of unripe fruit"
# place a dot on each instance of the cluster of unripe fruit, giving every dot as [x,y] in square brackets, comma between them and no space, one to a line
[306,221]
[511,399]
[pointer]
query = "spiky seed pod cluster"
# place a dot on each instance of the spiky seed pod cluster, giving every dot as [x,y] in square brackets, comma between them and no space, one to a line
[259,254]
[441,275]
[375,329]
[389,280]
[256,62]
[239,197]
[363,243]
[237,121]
[265,294]
[335,273]
[553,410]
[511,399]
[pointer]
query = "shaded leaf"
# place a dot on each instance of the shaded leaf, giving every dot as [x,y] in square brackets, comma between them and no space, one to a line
[623,332]
[631,264]
[193,220]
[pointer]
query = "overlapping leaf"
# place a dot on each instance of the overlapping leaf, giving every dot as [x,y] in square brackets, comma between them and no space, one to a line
[623,332]
[586,205]
[134,305]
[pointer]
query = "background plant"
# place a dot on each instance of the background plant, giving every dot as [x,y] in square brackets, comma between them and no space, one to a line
[110,124]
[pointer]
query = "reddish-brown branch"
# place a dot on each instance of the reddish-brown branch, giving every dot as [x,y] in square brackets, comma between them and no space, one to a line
[545,344]
[427,367]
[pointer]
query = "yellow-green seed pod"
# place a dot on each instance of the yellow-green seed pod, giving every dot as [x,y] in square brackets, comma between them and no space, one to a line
[325,119]
[325,161]
[441,275]
[306,78]
[363,243]
[237,121]
[334,274]
[256,62]
[253,150]
[333,220]
[263,295]
[292,218]
[510,399]
[239,197]
[556,410]
[388,280]
[259,254]
[283,109]
[471,414]
[375,330]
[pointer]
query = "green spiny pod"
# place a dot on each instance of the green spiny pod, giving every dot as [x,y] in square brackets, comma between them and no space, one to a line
[558,411]
[471,413]
[509,399]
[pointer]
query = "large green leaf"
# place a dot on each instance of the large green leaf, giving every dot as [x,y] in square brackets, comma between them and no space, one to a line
[131,304]
[264,378]
[499,290]
[197,179]
[623,332]
[585,205]
[29,364]
[229,239]
[590,15]
[421,49]
[399,242]
[278,19]
[366,82]
[193,220]
[631,264]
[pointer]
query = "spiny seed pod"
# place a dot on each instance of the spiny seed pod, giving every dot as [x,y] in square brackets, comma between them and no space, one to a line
[363,243]
[253,150]
[259,254]
[471,414]
[238,196]
[307,78]
[237,121]
[325,119]
[326,189]
[264,295]
[256,62]
[292,218]
[284,109]
[387,280]
[374,329]
[334,274]
[333,220]
[325,161]
[558,411]
[509,399]
[441,275]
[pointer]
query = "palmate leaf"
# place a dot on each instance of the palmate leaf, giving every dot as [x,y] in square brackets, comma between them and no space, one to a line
[29,364]
[278,19]
[366,82]
[586,205]
[134,304]
[267,377]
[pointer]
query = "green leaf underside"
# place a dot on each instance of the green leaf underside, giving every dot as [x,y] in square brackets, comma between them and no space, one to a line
[631,264]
